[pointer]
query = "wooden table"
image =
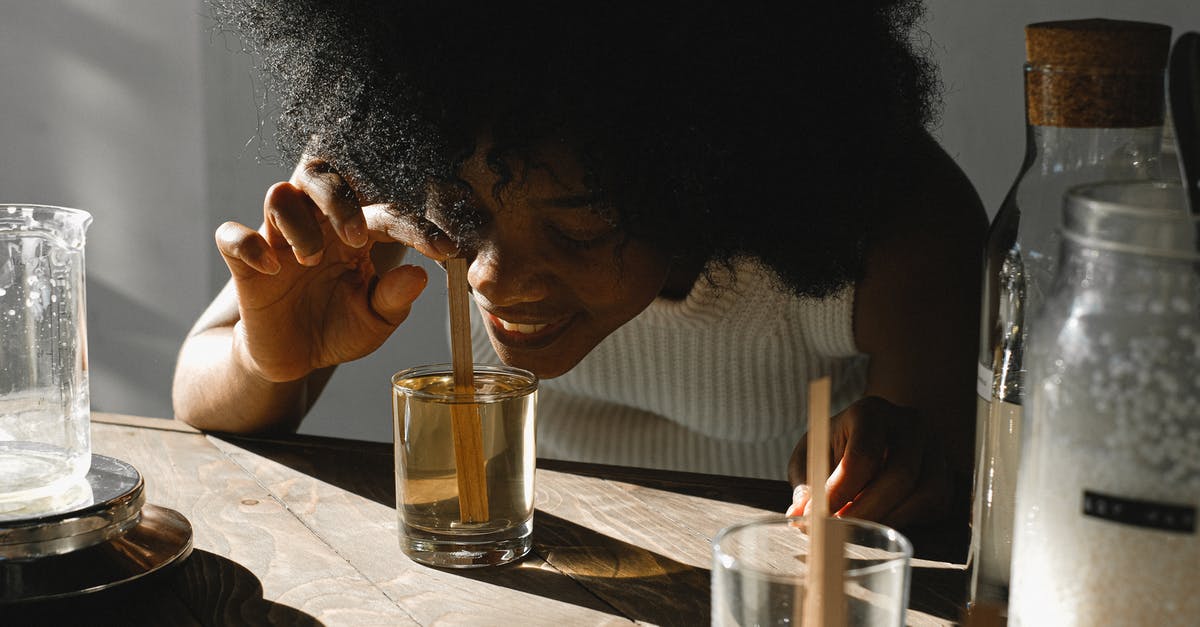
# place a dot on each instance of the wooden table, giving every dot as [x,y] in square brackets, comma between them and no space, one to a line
[303,531]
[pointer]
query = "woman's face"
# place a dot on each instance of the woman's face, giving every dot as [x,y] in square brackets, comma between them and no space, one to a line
[551,276]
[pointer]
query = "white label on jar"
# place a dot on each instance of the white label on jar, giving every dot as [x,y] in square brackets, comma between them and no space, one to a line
[1147,514]
[983,381]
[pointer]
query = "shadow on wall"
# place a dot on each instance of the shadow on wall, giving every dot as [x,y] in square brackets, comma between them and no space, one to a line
[131,352]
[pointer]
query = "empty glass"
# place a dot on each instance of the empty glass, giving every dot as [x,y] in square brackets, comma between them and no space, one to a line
[760,570]
[45,436]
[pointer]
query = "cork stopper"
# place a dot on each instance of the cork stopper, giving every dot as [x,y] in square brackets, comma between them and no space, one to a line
[1095,73]
[1098,43]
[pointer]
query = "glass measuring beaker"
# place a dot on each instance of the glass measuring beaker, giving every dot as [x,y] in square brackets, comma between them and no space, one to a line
[45,434]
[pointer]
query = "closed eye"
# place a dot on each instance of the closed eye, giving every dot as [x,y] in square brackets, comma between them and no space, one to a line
[585,238]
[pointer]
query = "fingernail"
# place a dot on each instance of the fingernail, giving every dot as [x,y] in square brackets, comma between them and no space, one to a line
[310,260]
[800,497]
[270,265]
[355,232]
[444,245]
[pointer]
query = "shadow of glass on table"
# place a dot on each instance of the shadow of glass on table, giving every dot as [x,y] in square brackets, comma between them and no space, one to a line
[667,592]
[203,589]
[627,581]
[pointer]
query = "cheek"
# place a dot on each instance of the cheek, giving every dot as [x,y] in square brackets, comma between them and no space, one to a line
[625,286]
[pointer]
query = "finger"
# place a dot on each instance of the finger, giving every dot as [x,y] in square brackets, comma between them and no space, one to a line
[245,251]
[390,224]
[862,458]
[896,480]
[290,218]
[395,292]
[801,495]
[334,197]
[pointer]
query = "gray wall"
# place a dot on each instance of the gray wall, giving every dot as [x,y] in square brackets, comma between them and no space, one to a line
[101,109]
[136,111]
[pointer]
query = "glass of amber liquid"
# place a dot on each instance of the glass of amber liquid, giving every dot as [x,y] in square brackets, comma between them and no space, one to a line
[445,519]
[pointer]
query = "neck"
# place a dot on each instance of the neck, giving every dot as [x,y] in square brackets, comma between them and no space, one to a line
[681,278]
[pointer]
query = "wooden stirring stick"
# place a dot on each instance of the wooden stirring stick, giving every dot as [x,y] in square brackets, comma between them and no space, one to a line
[465,424]
[824,604]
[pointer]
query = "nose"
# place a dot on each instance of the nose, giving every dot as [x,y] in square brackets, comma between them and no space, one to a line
[508,275]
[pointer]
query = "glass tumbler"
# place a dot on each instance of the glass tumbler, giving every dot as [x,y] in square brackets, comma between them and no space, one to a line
[760,569]
[437,454]
[45,435]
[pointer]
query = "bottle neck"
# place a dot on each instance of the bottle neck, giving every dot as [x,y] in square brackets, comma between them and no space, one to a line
[1101,122]
[1092,154]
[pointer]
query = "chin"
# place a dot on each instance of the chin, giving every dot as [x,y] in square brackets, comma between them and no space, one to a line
[545,367]
[541,369]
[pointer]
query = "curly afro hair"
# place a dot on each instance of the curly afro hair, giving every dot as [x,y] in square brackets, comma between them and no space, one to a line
[714,130]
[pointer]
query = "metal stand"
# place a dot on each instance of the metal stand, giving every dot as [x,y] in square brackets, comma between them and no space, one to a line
[112,538]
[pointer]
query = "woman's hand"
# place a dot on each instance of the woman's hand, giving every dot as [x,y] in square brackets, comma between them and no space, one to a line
[887,467]
[307,292]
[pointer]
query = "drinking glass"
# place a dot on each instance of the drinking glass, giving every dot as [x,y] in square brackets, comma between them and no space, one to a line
[760,572]
[437,454]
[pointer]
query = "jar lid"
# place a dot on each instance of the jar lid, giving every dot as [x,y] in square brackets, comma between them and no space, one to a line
[1098,43]
[1146,218]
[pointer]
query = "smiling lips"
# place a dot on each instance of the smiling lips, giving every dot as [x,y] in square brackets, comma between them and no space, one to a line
[525,334]
[517,327]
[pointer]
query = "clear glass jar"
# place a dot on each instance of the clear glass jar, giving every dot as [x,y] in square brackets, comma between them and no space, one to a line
[1094,112]
[1109,479]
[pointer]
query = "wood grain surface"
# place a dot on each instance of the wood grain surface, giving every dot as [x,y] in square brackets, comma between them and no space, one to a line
[302,530]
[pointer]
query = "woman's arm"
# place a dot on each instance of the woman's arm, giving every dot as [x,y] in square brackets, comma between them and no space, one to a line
[318,284]
[214,391]
[917,308]
[907,449]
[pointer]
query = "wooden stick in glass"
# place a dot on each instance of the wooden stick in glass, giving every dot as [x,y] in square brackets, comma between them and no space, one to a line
[824,601]
[465,424]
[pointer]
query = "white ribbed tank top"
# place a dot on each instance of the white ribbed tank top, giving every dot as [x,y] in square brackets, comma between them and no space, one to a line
[715,383]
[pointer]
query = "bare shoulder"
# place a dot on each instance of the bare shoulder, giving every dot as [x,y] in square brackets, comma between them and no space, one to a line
[924,265]
[937,196]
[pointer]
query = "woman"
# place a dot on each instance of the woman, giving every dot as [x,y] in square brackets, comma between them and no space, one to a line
[675,215]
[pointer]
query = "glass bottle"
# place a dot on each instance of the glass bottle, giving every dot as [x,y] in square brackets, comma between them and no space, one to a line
[1109,480]
[1094,111]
